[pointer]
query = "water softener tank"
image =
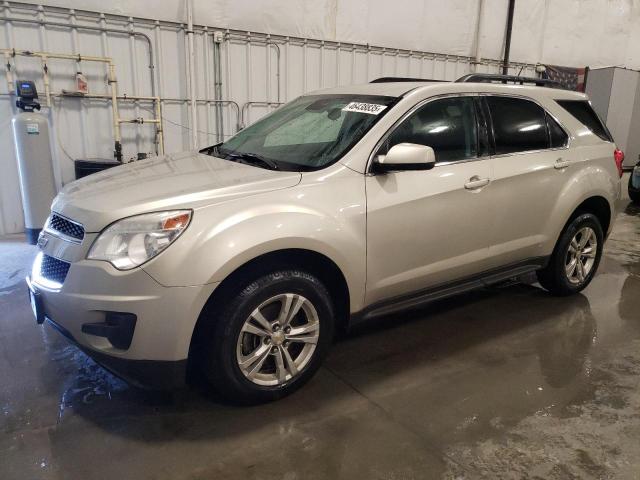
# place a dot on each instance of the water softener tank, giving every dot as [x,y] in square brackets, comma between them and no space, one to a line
[35,165]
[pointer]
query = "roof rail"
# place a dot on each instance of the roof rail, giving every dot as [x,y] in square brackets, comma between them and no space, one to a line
[493,77]
[403,79]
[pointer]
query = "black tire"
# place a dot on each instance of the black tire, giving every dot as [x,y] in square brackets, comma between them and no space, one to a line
[220,364]
[634,195]
[554,276]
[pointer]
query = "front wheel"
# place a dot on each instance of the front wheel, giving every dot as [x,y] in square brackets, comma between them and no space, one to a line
[575,258]
[270,338]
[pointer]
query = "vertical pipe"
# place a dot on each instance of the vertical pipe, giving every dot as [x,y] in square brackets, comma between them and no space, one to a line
[286,69]
[9,73]
[395,63]
[543,32]
[159,128]
[134,76]
[338,65]
[114,107]
[206,56]
[248,76]
[217,75]
[322,64]
[478,32]
[353,64]
[267,50]
[58,177]
[507,40]
[304,66]
[83,112]
[191,60]
[10,37]
[228,65]
[277,49]
[158,71]
[45,78]
[366,70]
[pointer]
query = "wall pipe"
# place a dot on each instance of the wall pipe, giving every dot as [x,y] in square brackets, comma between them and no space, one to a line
[191,75]
[217,82]
[507,40]
[112,81]
[255,36]
[95,29]
[477,59]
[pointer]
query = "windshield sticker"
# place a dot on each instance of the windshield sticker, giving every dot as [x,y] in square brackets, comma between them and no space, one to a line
[370,108]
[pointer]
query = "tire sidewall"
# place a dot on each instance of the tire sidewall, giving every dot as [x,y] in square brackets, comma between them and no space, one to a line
[222,366]
[581,221]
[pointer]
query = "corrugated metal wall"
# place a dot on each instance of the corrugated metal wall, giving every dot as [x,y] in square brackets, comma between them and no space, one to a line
[257,72]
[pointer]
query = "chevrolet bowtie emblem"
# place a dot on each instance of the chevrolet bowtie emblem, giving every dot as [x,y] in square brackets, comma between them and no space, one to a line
[42,240]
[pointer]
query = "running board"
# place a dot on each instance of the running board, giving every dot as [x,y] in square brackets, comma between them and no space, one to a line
[414,300]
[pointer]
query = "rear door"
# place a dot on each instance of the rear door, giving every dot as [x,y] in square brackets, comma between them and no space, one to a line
[426,228]
[530,163]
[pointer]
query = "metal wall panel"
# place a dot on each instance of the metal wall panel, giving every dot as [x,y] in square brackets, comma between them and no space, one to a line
[258,72]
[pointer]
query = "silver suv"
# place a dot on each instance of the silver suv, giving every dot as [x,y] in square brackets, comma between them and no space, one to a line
[240,261]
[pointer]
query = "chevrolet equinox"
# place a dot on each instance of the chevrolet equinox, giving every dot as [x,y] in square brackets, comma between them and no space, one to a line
[241,260]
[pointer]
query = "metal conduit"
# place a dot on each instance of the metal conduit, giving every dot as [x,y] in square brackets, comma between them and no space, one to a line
[257,36]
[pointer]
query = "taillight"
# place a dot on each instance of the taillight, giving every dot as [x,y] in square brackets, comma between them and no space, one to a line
[618,155]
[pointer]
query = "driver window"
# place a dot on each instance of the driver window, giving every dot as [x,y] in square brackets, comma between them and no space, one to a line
[447,125]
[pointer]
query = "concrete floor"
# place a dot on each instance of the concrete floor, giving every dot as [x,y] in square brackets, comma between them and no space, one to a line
[507,382]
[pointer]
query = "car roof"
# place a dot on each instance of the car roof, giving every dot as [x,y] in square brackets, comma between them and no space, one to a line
[399,89]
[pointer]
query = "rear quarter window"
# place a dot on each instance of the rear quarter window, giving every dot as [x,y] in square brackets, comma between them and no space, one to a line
[582,111]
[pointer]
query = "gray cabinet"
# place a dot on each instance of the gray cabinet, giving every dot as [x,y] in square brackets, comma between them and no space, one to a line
[615,95]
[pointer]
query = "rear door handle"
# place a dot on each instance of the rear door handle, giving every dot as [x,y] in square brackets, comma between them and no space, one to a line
[560,164]
[476,182]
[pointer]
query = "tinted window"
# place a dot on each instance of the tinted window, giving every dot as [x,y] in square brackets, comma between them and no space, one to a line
[447,125]
[583,112]
[518,125]
[557,135]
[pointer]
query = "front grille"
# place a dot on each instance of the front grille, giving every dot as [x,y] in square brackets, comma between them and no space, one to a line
[60,224]
[53,269]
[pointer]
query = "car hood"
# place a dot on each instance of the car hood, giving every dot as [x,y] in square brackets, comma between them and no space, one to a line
[184,180]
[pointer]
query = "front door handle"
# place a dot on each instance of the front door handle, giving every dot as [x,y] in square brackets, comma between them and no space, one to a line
[560,164]
[476,182]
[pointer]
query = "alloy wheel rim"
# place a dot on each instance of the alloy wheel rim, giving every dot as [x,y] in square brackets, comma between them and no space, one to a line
[278,339]
[581,255]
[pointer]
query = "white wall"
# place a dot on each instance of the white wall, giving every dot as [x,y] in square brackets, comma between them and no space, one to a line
[545,31]
[564,32]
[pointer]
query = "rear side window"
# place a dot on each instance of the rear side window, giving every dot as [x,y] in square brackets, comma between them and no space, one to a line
[518,125]
[557,135]
[583,112]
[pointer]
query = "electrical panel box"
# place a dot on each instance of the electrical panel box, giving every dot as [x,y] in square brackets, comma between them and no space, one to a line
[615,96]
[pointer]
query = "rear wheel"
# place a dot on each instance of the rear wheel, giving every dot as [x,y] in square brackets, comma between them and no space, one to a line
[270,338]
[575,258]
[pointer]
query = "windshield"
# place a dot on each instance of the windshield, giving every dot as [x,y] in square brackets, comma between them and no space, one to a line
[308,133]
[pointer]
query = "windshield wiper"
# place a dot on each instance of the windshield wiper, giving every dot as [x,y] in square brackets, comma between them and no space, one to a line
[252,159]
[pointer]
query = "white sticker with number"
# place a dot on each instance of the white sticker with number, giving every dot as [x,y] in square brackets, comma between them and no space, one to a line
[370,108]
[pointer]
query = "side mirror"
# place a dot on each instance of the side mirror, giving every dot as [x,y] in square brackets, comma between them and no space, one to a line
[406,156]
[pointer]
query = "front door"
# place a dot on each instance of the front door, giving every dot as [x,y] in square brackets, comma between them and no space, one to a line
[428,228]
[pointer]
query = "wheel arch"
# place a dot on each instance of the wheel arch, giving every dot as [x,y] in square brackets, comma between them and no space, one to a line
[298,258]
[598,206]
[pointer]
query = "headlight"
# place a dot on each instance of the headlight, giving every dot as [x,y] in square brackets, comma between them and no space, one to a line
[132,241]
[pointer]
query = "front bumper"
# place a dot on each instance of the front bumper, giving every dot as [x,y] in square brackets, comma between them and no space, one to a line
[165,318]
